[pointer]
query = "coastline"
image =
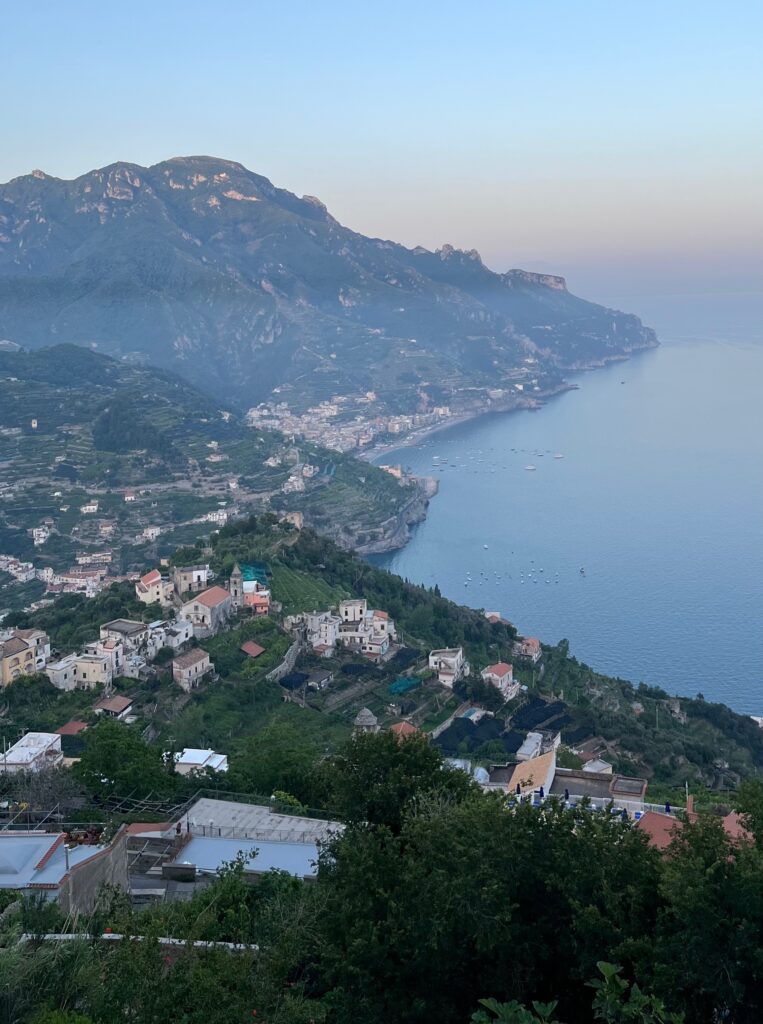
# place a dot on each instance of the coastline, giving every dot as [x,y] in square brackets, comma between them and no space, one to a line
[413,437]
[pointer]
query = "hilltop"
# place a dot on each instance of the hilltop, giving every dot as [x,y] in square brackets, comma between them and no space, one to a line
[199,265]
[100,453]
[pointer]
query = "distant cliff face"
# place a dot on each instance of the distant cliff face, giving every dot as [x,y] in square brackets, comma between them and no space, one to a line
[201,266]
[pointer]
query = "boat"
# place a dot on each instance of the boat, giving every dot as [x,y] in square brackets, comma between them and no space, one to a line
[530,469]
[485,546]
[558,455]
[582,571]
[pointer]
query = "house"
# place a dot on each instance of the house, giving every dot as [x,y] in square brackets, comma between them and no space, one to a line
[151,532]
[71,874]
[114,707]
[322,629]
[501,676]
[132,634]
[33,752]
[17,658]
[39,641]
[39,535]
[529,649]
[92,670]
[599,765]
[73,727]
[189,669]
[533,775]
[209,611]
[176,634]
[190,760]
[256,597]
[353,610]
[531,747]
[89,508]
[449,664]
[661,829]
[190,578]
[365,721]
[601,788]
[403,730]
[252,649]
[63,673]
[153,588]
[319,679]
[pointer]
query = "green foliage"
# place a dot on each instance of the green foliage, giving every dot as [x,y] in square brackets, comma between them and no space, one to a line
[514,1013]
[611,1006]
[117,761]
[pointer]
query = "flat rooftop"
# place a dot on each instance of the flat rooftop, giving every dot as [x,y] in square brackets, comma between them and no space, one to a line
[209,855]
[256,822]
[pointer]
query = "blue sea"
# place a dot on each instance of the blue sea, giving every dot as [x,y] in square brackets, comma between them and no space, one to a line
[658,498]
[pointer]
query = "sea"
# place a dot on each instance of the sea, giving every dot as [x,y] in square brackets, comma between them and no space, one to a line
[625,516]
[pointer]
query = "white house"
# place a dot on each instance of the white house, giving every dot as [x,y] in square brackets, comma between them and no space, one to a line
[33,752]
[63,673]
[501,676]
[353,610]
[449,664]
[531,747]
[191,759]
[132,634]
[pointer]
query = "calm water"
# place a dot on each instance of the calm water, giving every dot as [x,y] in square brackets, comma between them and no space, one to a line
[659,497]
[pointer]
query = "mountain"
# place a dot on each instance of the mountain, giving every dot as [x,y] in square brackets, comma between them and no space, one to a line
[78,427]
[199,265]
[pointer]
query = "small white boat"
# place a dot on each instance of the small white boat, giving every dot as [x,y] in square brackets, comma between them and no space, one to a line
[558,456]
[530,469]
[485,546]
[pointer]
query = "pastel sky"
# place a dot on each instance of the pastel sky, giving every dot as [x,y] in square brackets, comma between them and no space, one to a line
[619,142]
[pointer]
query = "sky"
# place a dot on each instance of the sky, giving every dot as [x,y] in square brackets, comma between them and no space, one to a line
[617,143]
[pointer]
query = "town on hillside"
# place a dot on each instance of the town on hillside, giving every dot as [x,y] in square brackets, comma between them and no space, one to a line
[347,661]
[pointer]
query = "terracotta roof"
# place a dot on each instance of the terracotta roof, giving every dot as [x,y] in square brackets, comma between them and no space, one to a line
[72,728]
[190,658]
[29,634]
[661,829]
[13,646]
[213,597]
[114,704]
[151,577]
[403,729]
[380,615]
[533,772]
[500,669]
[252,649]
[136,828]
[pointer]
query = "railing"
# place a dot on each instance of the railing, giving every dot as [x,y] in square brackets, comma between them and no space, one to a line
[258,834]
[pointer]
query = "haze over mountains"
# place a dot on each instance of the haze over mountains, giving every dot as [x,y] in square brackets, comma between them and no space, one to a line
[199,265]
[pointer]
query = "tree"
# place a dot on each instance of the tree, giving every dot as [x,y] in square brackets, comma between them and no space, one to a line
[117,761]
[375,778]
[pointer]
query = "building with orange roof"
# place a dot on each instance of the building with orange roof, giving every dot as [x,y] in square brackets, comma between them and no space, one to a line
[529,649]
[209,611]
[661,829]
[402,730]
[533,775]
[501,676]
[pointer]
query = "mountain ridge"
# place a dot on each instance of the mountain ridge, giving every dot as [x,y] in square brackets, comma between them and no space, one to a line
[202,266]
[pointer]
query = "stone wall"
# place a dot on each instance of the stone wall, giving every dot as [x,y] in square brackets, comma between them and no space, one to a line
[288,663]
[78,892]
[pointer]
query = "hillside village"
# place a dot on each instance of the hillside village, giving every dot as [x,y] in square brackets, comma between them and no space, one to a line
[208,646]
[339,659]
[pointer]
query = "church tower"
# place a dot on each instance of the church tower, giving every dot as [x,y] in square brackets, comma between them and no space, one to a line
[236,586]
